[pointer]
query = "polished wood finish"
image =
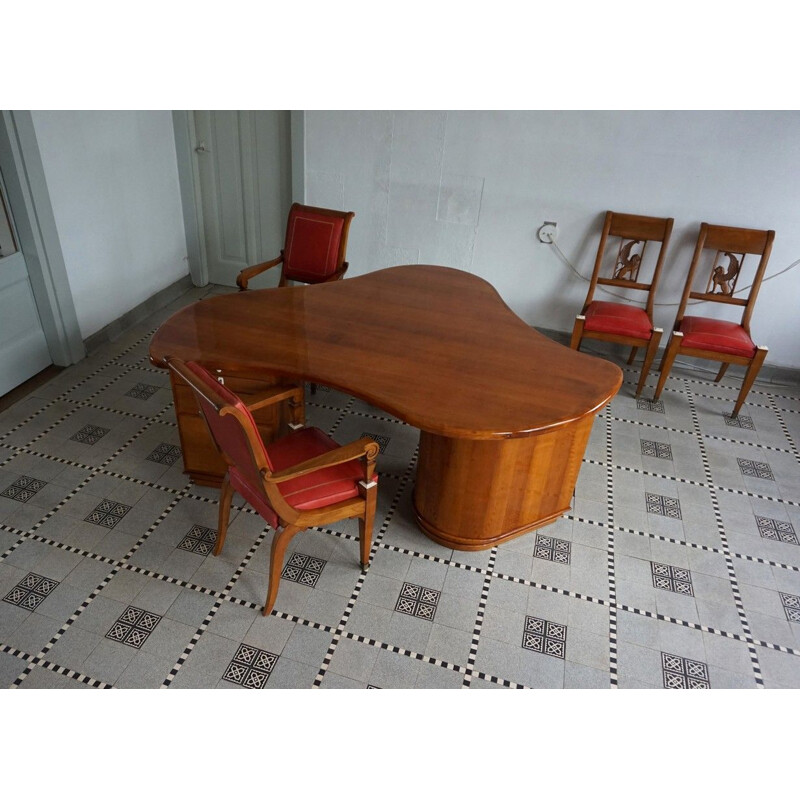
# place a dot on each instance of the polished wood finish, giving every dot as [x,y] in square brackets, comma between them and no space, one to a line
[292,520]
[723,240]
[630,229]
[505,485]
[439,349]
[249,273]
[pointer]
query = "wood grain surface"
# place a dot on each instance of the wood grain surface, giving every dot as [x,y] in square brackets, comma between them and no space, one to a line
[434,346]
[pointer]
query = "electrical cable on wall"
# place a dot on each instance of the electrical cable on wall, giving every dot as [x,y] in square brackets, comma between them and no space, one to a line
[621,297]
[698,302]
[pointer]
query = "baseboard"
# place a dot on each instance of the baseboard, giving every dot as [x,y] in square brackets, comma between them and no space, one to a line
[779,376]
[28,387]
[130,318]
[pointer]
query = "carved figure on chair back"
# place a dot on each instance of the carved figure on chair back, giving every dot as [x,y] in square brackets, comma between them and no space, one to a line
[725,280]
[627,266]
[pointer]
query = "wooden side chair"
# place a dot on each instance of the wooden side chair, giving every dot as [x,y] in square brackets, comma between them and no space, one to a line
[622,322]
[302,479]
[716,339]
[314,248]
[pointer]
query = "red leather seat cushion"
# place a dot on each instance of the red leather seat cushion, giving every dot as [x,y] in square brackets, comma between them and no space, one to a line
[311,251]
[320,488]
[617,318]
[720,336]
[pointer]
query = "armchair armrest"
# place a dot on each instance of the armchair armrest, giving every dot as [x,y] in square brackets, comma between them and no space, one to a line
[275,395]
[363,448]
[250,272]
[338,275]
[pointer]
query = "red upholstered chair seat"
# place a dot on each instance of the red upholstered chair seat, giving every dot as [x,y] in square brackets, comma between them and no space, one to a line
[720,336]
[319,488]
[618,318]
[311,251]
[315,490]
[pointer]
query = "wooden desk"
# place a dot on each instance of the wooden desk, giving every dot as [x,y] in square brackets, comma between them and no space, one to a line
[504,412]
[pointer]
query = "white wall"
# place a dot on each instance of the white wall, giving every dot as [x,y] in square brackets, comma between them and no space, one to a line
[470,189]
[113,183]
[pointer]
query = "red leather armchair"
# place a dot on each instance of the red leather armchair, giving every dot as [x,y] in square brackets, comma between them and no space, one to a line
[314,248]
[302,479]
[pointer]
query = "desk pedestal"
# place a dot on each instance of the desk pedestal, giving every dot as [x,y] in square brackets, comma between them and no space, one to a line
[472,494]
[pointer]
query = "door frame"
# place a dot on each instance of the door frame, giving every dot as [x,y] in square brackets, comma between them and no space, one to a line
[35,224]
[189,180]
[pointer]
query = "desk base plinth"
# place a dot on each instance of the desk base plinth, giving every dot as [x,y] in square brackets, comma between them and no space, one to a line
[472,494]
[484,543]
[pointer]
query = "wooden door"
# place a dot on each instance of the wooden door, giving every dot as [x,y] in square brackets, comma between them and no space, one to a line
[23,347]
[244,170]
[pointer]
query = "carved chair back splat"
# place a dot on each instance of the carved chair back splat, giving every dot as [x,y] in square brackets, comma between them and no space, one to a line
[622,322]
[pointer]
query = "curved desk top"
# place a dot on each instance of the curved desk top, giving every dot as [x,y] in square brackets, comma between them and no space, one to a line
[434,346]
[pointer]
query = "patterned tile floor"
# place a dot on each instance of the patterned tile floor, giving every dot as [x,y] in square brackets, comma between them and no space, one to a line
[677,567]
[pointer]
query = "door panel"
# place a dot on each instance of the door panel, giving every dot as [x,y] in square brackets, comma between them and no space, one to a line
[228,196]
[23,348]
[244,166]
[274,180]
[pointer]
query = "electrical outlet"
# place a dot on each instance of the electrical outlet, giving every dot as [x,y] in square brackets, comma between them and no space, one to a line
[548,232]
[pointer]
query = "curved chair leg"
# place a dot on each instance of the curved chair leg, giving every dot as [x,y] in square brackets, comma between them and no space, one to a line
[279,542]
[650,354]
[632,356]
[577,332]
[225,498]
[749,377]
[721,372]
[666,362]
[366,523]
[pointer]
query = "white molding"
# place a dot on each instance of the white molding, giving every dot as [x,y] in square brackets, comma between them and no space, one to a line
[39,240]
[297,123]
[189,181]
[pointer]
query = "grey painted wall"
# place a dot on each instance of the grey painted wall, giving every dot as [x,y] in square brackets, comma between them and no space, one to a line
[470,189]
[113,183]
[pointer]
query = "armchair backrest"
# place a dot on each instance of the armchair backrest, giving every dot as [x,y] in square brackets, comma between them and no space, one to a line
[316,242]
[730,247]
[634,232]
[229,422]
